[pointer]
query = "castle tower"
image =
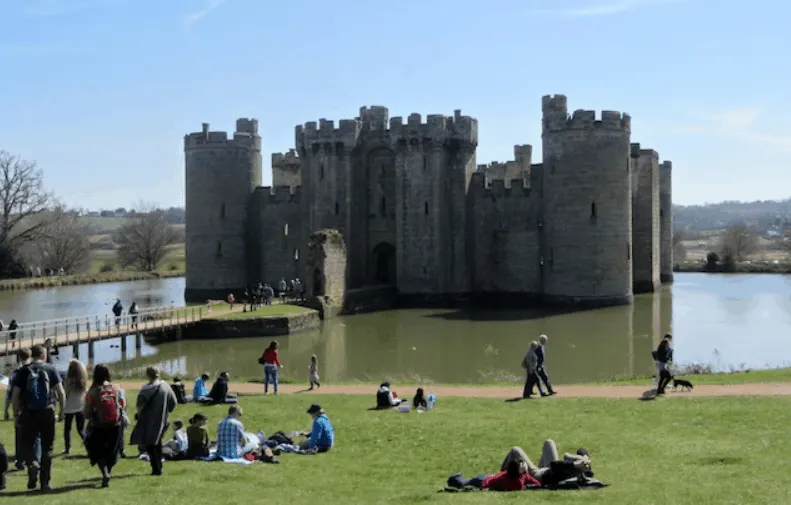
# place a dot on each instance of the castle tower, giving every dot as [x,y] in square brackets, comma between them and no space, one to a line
[221,174]
[587,212]
[286,169]
[645,220]
[666,221]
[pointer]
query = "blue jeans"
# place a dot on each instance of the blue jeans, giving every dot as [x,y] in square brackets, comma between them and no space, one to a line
[19,453]
[270,374]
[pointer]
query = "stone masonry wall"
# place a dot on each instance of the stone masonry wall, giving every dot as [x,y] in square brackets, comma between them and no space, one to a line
[587,205]
[326,277]
[505,236]
[666,221]
[645,220]
[220,174]
[279,231]
[286,169]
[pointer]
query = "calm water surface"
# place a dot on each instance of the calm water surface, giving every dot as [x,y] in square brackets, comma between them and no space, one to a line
[725,321]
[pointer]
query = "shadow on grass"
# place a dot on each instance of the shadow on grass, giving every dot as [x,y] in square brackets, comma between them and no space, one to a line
[648,396]
[516,399]
[98,478]
[55,490]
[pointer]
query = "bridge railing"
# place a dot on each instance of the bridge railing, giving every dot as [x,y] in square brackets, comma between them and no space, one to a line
[71,330]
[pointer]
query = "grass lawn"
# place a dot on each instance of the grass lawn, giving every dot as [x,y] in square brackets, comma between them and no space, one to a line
[265,311]
[702,451]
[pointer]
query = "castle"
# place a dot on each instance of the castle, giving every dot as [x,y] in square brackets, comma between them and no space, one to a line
[591,225]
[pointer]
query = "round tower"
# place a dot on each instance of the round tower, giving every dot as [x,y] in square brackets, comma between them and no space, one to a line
[221,174]
[587,212]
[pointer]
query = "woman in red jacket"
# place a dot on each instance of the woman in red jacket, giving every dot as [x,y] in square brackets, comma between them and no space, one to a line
[513,478]
[271,362]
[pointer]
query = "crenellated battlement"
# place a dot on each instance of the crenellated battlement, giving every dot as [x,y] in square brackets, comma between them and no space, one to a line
[324,131]
[373,117]
[246,136]
[269,195]
[498,188]
[666,166]
[284,160]
[437,128]
[557,118]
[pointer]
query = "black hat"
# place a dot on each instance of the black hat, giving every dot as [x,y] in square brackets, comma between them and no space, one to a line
[314,408]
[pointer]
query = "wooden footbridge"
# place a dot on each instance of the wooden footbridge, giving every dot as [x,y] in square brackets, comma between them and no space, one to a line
[74,331]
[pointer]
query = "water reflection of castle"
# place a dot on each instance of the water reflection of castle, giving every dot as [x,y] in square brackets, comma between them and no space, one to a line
[444,346]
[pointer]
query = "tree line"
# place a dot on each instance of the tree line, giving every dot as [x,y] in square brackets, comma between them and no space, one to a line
[39,233]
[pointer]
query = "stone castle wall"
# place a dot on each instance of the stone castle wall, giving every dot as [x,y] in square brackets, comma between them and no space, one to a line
[414,209]
[666,221]
[221,174]
[645,220]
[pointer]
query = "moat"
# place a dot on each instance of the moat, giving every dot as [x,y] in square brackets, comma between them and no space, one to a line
[726,321]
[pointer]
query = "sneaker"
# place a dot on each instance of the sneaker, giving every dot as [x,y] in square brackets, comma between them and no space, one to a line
[105,481]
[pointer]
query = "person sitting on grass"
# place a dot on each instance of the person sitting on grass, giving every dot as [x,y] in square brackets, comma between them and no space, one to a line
[320,439]
[198,437]
[551,469]
[385,398]
[200,392]
[179,390]
[219,391]
[514,478]
[176,448]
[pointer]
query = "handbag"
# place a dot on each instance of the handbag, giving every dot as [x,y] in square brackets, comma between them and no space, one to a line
[261,360]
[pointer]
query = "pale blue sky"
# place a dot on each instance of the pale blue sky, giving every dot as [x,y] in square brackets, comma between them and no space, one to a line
[101,92]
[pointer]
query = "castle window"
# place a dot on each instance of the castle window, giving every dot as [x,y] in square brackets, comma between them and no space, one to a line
[219,249]
[425,162]
[321,172]
[425,208]
[296,254]
[661,212]
[222,210]
[337,208]
[628,163]
[383,207]
[628,251]
[285,230]
[593,210]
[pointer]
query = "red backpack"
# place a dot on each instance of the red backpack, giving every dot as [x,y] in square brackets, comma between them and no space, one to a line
[108,406]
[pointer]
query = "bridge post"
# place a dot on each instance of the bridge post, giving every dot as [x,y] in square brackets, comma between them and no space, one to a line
[123,344]
[138,341]
[90,350]
[75,350]
[178,332]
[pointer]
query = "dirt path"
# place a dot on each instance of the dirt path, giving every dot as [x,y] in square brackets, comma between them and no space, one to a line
[505,392]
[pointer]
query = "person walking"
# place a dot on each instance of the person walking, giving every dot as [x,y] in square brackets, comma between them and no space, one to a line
[155,402]
[542,373]
[36,389]
[104,409]
[22,359]
[664,356]
[134,310]
[76,385]
[271,361]
[118,309]
[530,364]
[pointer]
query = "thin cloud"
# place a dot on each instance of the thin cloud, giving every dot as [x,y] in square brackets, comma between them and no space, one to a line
[609,8]
[194,17]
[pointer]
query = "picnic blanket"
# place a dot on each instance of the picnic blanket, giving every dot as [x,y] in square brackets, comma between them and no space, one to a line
[584,483]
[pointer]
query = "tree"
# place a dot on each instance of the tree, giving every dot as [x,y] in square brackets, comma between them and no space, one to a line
[738,242]
[63,243]
[22,199]
[143,242]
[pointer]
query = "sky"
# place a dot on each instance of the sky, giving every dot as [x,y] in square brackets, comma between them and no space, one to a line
[101,92]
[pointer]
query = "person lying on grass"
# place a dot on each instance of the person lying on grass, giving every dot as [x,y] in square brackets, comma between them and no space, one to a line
[551,468]
[513,478]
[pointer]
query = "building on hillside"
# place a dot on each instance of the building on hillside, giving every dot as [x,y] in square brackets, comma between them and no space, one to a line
[591,224]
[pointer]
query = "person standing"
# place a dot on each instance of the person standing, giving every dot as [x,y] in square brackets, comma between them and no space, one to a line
[22,359]
[76,385]
[155,402]
[36,389]
[271,361]
[530,364]
[104,409]
[118,309]
[542,373]
[133,312]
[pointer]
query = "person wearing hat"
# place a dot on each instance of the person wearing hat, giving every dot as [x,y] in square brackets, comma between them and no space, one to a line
[322,436]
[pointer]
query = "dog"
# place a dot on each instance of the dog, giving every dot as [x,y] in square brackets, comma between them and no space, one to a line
[684,384]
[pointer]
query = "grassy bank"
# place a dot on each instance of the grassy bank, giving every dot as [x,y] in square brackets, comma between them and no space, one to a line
[752,267]
[74,280]
[276,310]
[699,446]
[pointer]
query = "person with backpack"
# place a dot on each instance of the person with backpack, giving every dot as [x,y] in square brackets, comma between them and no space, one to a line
[22,359]
[104,410]
[36,388]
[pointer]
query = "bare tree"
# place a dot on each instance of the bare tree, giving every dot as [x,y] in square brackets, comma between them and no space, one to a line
[22,200]
[63,242]
[738,242]
[143,242]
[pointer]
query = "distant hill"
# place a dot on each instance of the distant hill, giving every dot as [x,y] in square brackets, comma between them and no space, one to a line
[762,214]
